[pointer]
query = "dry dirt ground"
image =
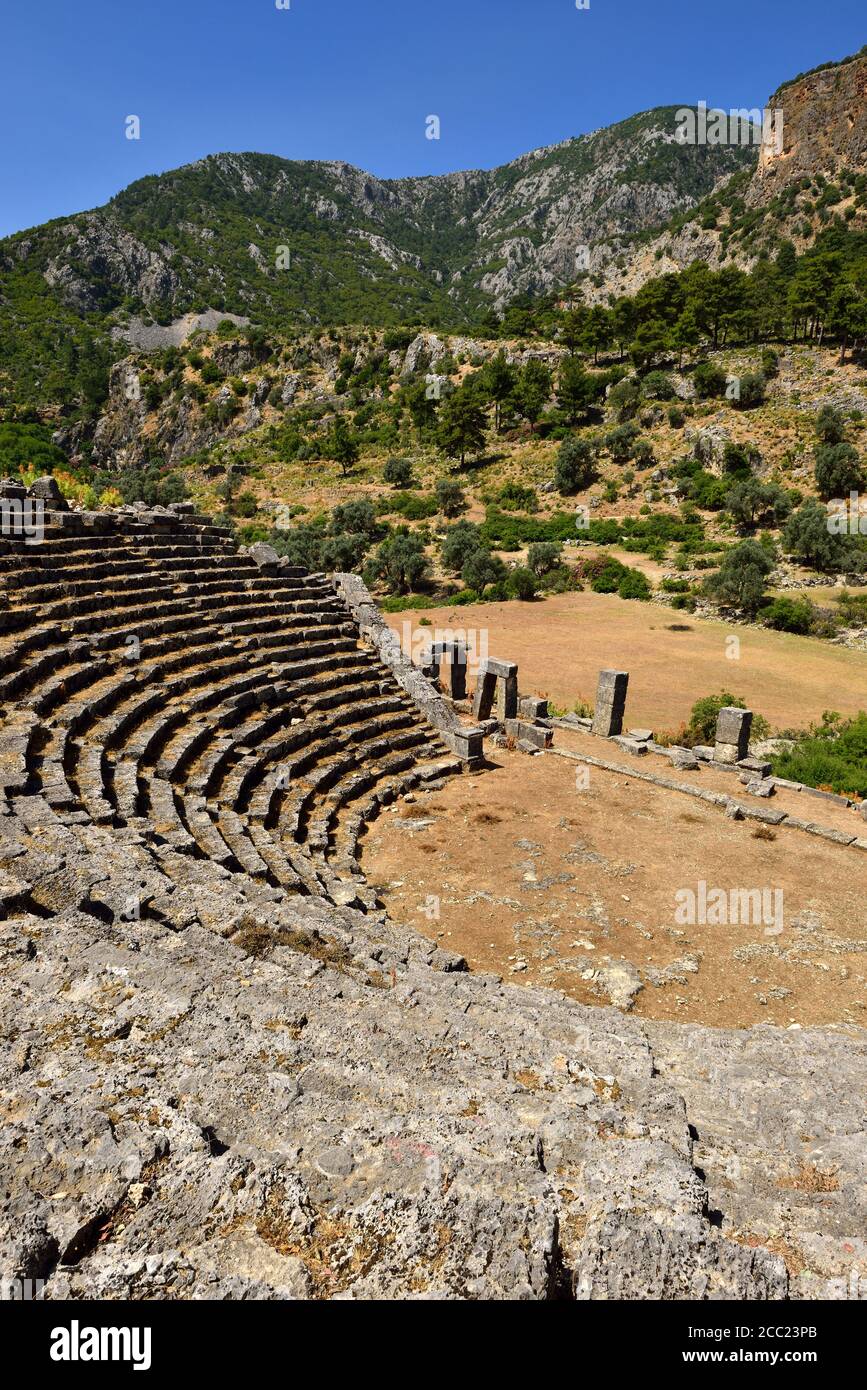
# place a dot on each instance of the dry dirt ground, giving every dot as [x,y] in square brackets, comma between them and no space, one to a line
[561,644]
[531,875]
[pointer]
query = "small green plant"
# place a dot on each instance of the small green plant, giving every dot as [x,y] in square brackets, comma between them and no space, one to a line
[831,756]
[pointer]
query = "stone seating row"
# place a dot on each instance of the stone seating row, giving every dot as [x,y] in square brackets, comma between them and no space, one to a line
[166,687]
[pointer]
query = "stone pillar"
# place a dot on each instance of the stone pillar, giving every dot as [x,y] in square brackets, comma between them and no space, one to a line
[507,697]
[483,700]
[732,734]
[610,703]
[502,677]
[458,671]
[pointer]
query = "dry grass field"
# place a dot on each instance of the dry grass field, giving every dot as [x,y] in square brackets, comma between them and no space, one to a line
[561,644]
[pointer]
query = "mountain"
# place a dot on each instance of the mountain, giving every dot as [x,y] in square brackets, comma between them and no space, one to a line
[283,243]
[817,171]
[209,235]
[279,242]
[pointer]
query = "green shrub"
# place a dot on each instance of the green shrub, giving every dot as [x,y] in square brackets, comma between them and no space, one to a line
[806,536]
[28,447]
[575,468]
[634,584]
[624,399]
[788,615]
[521,583]
[709,380]
[610,576]
[830,425]
[513,497]
[398,339]
[657,386]
[770,363]
[357,517]
[620,442]
[740,458]
[740,580]
[481,568]
[832,756]
[542,557]
[703,716]
[838,470]
[412,506]
[751,391]
[450,497]
[397,472]
[401,562]
[460,541]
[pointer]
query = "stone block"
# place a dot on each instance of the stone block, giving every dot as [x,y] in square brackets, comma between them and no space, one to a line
[47,489]
[519,729]
[466,744]
[632,746]
[761,786]
[458,678]
[264,555]
[757,766]
[837,837]
[507,697]
[727,753]
[610,703]
[683,758]
[483,700]
[733,726]
[532,707]
[501,669]
[834,799]
[525,746]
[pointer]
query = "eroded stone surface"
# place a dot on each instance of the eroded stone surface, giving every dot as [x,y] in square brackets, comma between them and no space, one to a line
[225,1073]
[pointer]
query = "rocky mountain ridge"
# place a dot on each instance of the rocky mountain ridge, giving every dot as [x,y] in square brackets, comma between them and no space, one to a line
[260,236]
[276,243]
[815,168]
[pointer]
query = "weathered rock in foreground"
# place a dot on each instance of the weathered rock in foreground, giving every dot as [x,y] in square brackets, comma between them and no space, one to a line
[226,1074]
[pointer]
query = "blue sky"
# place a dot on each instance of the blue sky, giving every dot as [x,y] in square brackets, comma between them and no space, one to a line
[355,80]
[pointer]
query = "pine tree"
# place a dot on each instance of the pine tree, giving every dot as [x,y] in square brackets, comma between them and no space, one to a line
[575,389]
[462,425]
[533,390]
[498,380]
